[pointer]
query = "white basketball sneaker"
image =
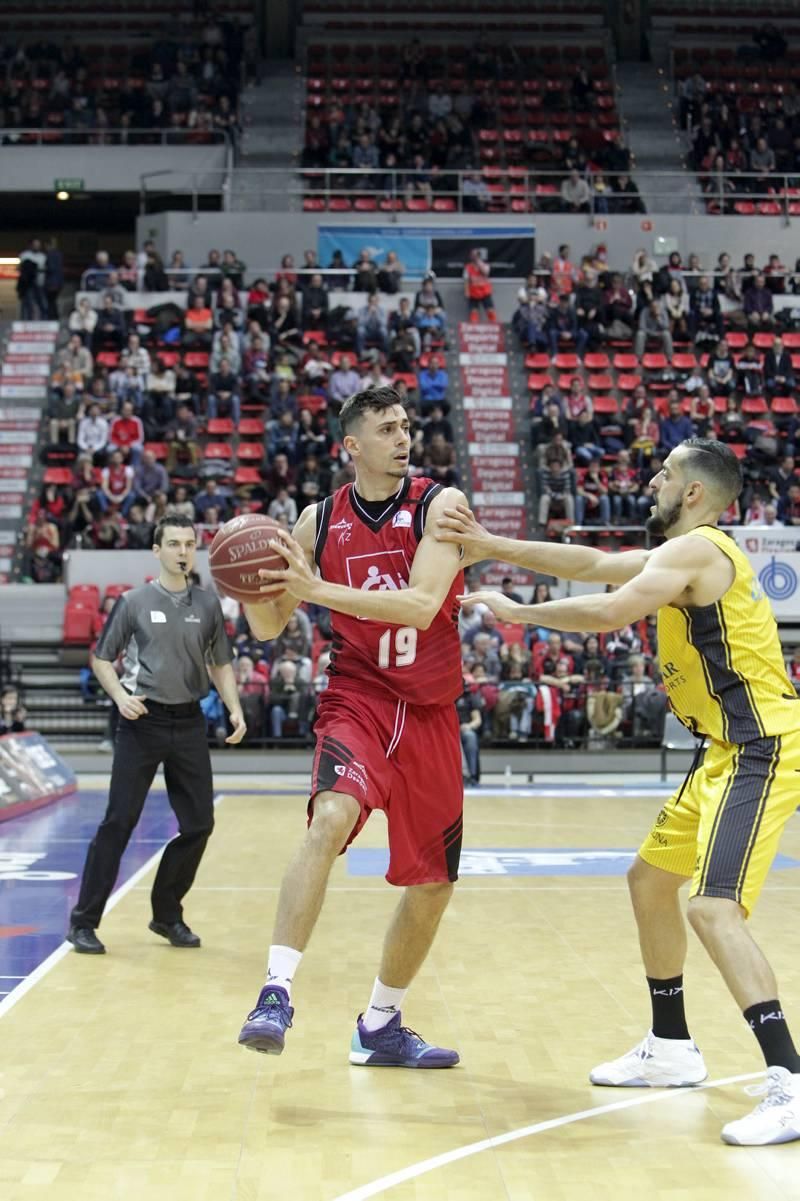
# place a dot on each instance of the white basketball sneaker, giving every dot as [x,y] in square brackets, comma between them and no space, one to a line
[655,1063]
[776,1119]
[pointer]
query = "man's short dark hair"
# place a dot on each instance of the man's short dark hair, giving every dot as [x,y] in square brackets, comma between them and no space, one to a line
[176,520]
[716,464]
[371,400]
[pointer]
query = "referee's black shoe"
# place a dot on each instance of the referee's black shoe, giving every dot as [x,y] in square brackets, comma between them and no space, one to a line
[178,933]
[85,941]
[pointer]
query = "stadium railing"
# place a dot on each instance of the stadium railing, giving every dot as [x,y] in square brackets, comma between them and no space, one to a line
[516,188]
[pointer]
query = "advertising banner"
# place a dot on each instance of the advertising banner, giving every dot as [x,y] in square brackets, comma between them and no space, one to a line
[492,425]
[445,250]
[497,476]
[485,381]
[31,774]
[508,520]
[479,338]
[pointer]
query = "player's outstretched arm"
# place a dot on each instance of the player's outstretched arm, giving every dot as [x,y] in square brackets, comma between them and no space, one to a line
[459,525]
[669,571]
[434,568]
[268,618]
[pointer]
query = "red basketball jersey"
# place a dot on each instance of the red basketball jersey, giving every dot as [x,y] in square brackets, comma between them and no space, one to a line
[422,667]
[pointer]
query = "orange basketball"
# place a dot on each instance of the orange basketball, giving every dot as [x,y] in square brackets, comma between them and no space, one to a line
[239,549]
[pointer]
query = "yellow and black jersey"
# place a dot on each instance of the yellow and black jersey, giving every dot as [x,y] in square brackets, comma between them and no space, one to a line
[722,664]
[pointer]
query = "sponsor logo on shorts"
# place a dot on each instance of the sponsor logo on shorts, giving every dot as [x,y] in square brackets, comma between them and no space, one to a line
[662,817]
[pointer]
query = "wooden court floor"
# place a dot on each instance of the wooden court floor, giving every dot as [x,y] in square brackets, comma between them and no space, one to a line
[121,1078]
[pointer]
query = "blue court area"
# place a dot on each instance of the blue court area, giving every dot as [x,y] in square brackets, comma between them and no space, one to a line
[41,859]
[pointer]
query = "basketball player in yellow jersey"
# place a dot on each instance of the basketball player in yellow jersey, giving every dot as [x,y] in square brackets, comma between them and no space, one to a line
[724,674]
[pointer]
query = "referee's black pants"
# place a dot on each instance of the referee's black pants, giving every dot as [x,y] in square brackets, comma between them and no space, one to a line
[174,735]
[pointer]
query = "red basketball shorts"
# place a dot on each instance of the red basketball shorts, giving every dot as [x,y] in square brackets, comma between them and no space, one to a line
[404,759]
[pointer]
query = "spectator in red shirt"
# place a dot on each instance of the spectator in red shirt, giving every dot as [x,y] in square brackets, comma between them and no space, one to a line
[127,434]
[116,485]
[623,486]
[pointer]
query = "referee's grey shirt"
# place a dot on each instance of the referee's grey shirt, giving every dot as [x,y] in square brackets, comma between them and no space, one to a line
[167,639]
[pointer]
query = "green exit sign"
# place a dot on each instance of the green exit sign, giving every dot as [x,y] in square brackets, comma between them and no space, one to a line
[68,185]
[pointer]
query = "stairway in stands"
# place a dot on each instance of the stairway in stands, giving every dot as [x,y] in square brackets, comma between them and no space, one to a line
[496,434]
[24,373]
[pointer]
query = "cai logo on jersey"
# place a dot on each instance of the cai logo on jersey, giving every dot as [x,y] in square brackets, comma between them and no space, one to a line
[380,571]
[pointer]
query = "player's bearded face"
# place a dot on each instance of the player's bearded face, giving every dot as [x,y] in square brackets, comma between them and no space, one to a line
[666,515]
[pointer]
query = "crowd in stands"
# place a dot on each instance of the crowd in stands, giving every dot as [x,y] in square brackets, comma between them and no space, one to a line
[482,111]
[186,86]
[744,132]
[624,366]
[230,405]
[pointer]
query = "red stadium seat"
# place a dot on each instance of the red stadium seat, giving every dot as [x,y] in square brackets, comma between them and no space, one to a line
[78,622]
[251,427]
[85,594]
[625,362]
[538,381]
[684,362]
[218,450]
[220,426]
[566,362]
[247,475]
[537,362]
[57,475]
[312,402]
[600,382]
[115,590]
[628,383]
[605,404]
[596,362]
[786,405]
[754,404]
[315,335]
[250,452]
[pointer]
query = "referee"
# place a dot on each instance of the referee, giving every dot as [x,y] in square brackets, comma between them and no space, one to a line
[172,638]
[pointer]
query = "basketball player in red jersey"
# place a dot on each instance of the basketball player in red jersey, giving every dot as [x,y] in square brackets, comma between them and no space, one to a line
[387,732]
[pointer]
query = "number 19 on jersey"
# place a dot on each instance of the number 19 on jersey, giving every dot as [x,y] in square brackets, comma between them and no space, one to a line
[400,643]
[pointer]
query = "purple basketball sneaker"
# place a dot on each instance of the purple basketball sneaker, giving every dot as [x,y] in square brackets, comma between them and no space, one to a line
[266,1025]
[395,1046]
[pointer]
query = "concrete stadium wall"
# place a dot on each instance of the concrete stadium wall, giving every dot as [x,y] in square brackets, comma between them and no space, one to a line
[106,168]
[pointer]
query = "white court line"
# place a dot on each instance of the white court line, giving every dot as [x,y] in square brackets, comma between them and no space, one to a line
[384,1183]
[50,962]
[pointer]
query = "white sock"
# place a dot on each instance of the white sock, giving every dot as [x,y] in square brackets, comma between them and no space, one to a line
[383,1005]
[282,964]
